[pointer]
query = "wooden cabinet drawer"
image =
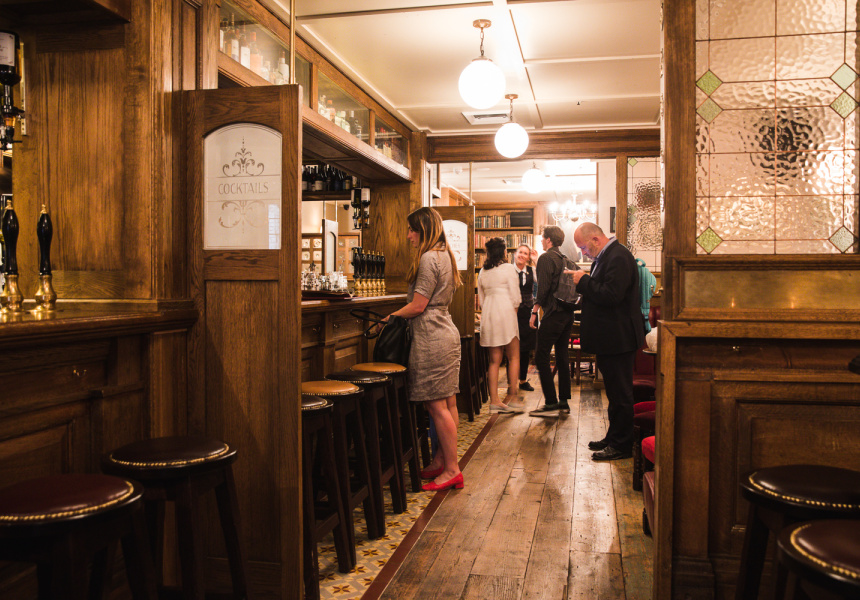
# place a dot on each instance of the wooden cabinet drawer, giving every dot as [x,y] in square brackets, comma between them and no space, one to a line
[345,325]
[312,330]
[732,354]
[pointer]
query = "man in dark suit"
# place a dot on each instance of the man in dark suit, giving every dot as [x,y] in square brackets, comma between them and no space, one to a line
[612,329]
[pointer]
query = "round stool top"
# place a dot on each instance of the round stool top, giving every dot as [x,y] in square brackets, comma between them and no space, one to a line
[359,377]
[312,404]
[827,546]
[379,367]
[808,486]
[649,449]
[63,498]
[328,388]
[466,337]
[170,452]
[645,419]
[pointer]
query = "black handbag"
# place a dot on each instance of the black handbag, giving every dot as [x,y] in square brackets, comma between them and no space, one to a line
[393,342]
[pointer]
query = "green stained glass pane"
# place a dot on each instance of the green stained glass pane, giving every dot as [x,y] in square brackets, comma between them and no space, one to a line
[632,162]
[842,239]
[708,83]
[709,110]
[844,105]
[709,240]
[844,76]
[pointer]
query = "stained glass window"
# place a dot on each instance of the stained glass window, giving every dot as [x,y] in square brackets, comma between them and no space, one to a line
[777,92]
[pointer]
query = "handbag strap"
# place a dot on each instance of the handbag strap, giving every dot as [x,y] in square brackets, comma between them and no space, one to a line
[368,315]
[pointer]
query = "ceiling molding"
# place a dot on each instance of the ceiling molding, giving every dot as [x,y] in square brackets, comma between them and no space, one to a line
[389,11]
[585,59]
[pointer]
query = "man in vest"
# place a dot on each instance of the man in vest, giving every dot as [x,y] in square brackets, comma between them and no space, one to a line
[612,329]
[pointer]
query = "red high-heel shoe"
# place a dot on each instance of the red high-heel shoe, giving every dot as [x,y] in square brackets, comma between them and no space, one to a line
[432,473]
[454,482]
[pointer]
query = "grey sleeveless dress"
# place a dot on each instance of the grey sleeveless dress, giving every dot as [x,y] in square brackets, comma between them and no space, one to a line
[434,360]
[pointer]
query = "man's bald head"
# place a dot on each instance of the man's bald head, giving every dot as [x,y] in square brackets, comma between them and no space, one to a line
[590,239]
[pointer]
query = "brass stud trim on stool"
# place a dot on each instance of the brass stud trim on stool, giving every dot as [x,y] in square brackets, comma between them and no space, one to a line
[825,565]
[70,513]
[806,501]
[169,463]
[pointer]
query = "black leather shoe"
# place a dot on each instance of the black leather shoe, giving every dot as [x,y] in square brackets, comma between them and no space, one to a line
[526,386]
[598,445]
[610,453]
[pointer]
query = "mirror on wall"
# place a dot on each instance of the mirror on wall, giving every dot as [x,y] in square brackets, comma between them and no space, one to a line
[328,236]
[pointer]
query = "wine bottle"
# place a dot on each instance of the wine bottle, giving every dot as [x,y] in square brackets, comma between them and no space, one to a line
[284,68]
[304,179]
[9,45]
[234,39]
[244,49]
[319,184]
[255,58]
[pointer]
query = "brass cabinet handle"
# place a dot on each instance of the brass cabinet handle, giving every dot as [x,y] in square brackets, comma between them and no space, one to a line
[79,372]
[316,329]
[736,348]
[336,325]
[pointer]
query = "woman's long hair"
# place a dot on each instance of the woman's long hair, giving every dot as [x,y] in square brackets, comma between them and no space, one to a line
[496,248]
[428,223]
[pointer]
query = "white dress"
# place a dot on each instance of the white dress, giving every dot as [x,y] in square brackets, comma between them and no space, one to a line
[499,295]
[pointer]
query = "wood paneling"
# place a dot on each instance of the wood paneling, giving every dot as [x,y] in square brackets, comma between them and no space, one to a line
[462,307]
[548,144]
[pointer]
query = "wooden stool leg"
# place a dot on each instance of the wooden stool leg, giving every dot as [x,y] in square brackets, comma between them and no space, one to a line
[423,432]
[69,570]
[190,540]
[410,435]
[370,412]
[311,560]
[398,484]
[752,557]
[154,514]
[102,571]
[362,457]
[466,379]
[341,459]
[228,511]
[138,559]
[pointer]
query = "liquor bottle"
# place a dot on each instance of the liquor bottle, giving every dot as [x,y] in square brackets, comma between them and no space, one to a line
[266,72]
[234,39]
[337,181]
[330,111]
[347,182]
[321,105]
[319,183]
[222,31]
[284,68]
[255,58]
[244,50]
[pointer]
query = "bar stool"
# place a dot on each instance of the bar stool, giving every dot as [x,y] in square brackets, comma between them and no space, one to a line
[63,522]
[348,424]
[822,555]
[317,431]
[468,379]
[414,437]
[779,496]
[181,469]
[644,422]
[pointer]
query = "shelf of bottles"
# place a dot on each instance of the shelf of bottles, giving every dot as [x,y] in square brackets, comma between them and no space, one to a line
[324,182]
[251,45]
[390,143]
[342,109]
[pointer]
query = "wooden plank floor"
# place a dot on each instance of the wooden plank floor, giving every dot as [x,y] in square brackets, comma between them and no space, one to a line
[537,520]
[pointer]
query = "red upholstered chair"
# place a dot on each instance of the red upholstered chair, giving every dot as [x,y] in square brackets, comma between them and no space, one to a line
[648,523]
[643,426]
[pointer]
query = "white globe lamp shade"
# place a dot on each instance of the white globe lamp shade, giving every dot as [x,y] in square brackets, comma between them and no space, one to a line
[482,83]
[512,140]
[533,181]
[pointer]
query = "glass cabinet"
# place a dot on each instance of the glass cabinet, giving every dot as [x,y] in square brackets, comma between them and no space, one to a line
[390,143]
[342,109]
[244,40]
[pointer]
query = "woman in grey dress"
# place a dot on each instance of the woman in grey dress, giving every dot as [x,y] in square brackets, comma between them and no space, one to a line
[434,360]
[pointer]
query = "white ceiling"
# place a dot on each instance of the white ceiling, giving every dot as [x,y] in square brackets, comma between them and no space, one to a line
[575,64]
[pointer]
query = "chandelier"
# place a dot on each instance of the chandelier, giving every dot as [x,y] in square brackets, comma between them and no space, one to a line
[573,211]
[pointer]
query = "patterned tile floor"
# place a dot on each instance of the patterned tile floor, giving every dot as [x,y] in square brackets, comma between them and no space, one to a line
[373,554]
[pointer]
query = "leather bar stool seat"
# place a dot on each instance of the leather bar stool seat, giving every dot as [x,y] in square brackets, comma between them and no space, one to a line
[320,519]
[180,469]
[643,426]
[348,425]
[822,555]
[414,443]
[784,495]
[64,522]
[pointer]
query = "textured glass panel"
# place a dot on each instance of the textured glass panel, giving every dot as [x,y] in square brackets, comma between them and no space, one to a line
[806,247]
[709,110]
[807,56]
[852,207]
[741,18]
[702,181]
[852,24]
[700,97]
[844,76]
[701,58]
[809,173]
[812,128]
[844,105]
[736,218]
[743,131]
[702,21]
[806,92]
[742,174]
[646,167]
[708,240]
[703,137]
[744,248]
[851,172]
[756,94]
[851,132]
[744,60]
[700,250]
[843,239]
[809,16]
[646,232]
[702,214]
[808,217]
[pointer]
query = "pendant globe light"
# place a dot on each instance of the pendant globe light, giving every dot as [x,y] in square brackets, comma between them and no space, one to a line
[533,180]
[511,139]
[482,82]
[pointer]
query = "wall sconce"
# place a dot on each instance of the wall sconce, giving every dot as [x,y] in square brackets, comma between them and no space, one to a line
[482,82]
[10,75]
[511,139]
[533,180]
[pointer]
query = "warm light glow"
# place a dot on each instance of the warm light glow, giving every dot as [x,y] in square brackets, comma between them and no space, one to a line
[512,140]
[482,83]
[533,180]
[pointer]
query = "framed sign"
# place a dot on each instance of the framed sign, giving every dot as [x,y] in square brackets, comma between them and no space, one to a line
[457,234]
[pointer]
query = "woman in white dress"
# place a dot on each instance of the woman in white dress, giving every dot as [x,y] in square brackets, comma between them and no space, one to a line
[499,296]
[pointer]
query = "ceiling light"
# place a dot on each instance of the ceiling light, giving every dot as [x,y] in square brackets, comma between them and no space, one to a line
[533,180]
[512,140]
[482,82]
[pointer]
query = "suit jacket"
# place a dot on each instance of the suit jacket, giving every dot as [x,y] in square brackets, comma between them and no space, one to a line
[611,319]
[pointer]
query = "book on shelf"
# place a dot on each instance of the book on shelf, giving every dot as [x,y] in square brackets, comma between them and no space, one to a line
[491,221]
[512,240]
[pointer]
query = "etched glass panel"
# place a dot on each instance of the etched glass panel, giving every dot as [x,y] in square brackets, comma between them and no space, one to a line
[644,210]
[242,188]
[777,127]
